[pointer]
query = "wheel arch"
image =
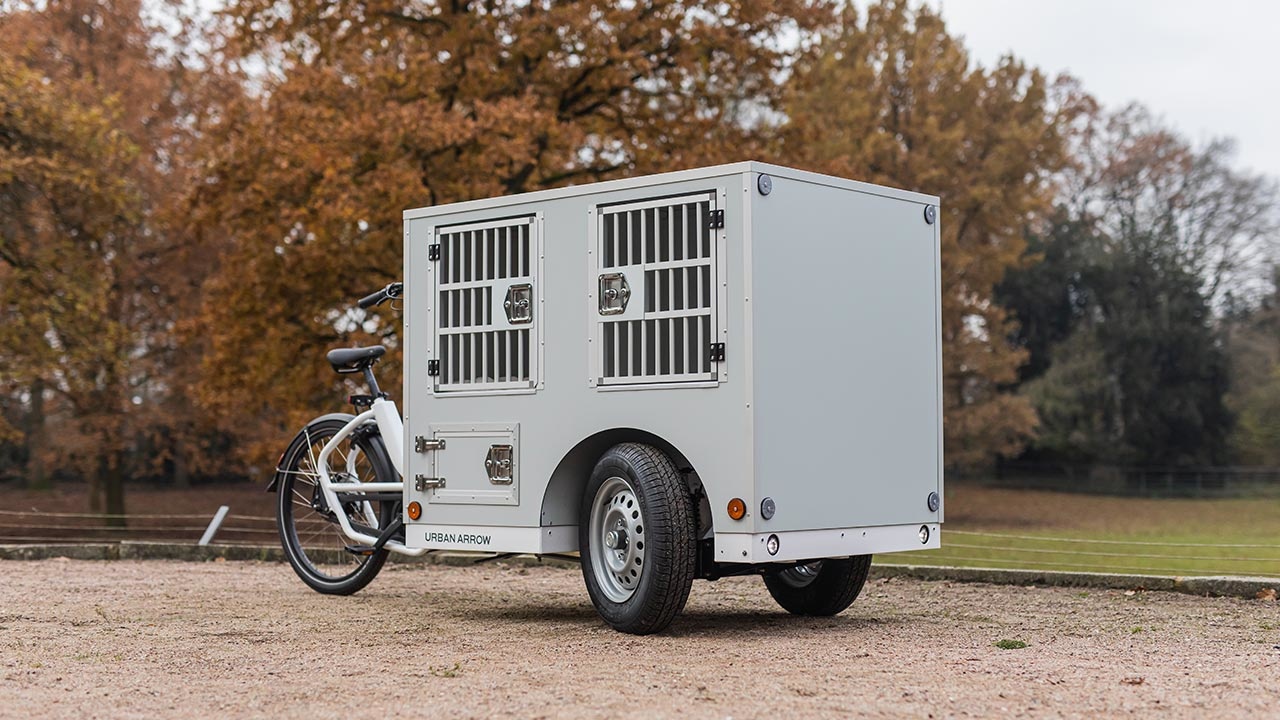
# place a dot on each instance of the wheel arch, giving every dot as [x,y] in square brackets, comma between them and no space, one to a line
[563,497]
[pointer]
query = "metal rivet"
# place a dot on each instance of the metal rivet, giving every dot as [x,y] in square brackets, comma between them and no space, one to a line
[765,184]
[930,214]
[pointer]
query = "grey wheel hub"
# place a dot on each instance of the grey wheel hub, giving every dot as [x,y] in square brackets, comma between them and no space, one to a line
[616,539]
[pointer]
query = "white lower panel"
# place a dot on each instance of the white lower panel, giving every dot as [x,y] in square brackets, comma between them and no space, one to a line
[486,538]
[814,544]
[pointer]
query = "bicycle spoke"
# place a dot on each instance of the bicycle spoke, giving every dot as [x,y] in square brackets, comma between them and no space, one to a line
[311,452]
[321,532]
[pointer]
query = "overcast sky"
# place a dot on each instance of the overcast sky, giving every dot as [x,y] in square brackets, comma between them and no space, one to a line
[1208,68]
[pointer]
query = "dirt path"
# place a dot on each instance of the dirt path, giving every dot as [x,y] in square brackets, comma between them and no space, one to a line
[168,639]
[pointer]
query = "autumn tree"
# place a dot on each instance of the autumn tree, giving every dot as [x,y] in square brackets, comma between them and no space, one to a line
[893,98]
[374,107]
[1141,184]
[66,207]
[96,129]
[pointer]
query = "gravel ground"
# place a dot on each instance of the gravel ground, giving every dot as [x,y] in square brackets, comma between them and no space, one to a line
[237,639]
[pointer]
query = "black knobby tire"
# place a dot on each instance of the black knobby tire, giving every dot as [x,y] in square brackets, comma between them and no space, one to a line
[641,584]
[312,540]
[822,588]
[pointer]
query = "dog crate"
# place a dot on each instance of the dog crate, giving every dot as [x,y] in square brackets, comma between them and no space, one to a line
[773,333]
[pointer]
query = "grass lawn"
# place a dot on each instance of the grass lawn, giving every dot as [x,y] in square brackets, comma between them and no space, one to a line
[990,527]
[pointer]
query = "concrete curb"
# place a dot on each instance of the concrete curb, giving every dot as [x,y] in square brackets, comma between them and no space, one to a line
[1243,587]
[1221,586]
[136,550]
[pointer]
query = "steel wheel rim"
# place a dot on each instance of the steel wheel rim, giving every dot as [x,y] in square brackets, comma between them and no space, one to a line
[801,575]
[616,539]
[318,539]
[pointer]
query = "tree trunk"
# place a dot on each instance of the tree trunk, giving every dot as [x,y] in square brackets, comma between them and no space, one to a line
[113,489]
[115,499]
[35,440]
[95,486]
[181,471]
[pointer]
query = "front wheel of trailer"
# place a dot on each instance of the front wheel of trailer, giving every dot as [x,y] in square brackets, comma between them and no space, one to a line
[636,535]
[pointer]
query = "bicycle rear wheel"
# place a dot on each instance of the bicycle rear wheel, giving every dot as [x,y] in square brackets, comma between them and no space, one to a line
[309,531]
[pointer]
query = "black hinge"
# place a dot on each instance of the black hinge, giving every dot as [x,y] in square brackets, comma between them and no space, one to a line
[716,220]
[433,252]
[433,368]
[717,352]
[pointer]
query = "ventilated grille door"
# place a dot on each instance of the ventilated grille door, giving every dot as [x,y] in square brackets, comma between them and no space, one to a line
[655,296]
[486,306]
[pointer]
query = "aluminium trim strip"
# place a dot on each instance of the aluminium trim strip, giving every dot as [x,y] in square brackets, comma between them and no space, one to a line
[657,180]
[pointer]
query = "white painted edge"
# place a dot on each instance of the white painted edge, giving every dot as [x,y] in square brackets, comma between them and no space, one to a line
[730,547]
[749,548]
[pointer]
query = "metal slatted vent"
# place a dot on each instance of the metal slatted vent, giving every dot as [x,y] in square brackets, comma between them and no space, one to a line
[486,319]
[656,300]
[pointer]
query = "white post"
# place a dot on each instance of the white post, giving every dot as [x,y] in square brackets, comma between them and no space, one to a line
[214,525]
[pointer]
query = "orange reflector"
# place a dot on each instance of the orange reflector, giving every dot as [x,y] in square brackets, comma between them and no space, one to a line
[737,509]
[415,511]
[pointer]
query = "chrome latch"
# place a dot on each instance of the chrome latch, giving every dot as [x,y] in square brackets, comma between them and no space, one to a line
[498,465]
[422,444]
[614,293]
[519,304]
[422,483]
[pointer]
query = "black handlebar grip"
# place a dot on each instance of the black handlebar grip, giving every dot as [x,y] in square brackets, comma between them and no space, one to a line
[370,300]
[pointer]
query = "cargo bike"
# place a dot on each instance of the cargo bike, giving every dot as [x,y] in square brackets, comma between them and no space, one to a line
[715,372]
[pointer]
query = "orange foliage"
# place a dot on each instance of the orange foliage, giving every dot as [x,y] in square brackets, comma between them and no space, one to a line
[93,150]
[381,106]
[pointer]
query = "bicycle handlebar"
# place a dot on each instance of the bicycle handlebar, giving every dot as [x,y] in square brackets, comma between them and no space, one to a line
[393,290]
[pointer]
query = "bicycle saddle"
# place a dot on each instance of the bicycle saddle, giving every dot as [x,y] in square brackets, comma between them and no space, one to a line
[351,360]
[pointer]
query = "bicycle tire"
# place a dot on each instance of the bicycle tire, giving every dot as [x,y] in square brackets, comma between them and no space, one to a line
[309,532]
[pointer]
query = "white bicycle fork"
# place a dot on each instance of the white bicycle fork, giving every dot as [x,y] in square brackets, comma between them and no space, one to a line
[387,417]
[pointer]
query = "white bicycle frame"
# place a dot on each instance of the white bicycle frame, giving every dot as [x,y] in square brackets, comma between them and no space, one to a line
[387,417]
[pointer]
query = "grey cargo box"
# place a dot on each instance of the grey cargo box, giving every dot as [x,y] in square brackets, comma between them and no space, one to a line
[775,332]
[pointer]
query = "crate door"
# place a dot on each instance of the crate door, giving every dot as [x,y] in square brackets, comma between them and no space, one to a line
[655,292]
[487,306]
[478,465]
